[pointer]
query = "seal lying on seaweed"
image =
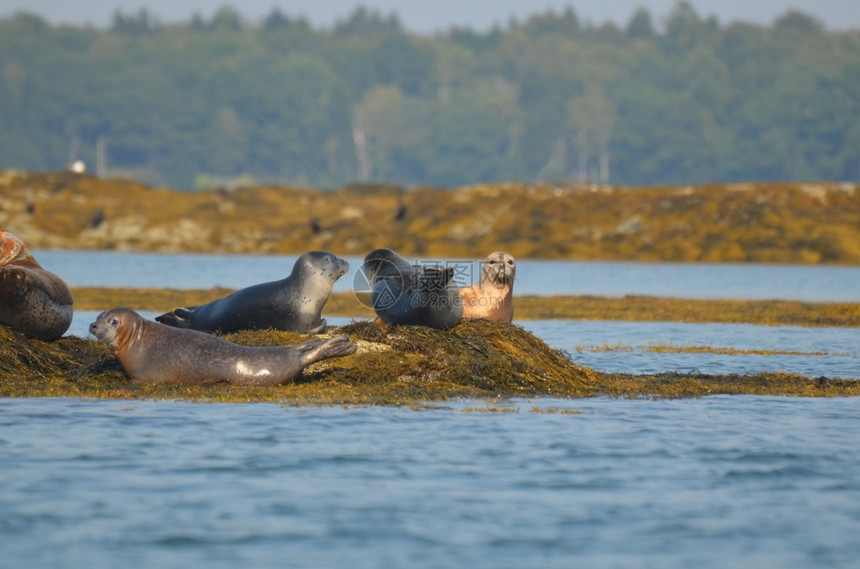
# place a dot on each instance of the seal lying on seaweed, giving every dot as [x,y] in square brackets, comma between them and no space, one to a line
[149,351]
[294,303]
[33,301]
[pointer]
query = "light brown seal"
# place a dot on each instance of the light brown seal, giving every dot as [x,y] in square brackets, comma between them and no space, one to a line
[491,298]
[153,352]
[33,301]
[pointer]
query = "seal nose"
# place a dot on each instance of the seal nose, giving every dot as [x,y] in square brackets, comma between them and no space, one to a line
[93,328]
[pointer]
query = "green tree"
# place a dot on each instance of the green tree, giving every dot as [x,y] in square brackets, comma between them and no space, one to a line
[549,98]
[640,25]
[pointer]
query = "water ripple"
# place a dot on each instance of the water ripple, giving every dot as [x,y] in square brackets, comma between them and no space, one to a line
[722,481]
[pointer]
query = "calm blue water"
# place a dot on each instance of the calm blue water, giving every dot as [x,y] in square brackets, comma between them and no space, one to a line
[716,482]
[534,277]
[842,346]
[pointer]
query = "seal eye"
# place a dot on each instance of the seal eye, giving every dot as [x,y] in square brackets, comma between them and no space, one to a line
[112,322]
[511,263]
[493,262]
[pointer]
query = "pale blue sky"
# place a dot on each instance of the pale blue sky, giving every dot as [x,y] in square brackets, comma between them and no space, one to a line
[428,16]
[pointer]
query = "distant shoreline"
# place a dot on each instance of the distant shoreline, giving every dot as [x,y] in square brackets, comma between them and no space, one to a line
[790,223]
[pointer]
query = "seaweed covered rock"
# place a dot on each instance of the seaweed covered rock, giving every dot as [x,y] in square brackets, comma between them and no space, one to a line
[407,365]
[393,365]
[798,222]
[68,367]
[404,364]
[476,357]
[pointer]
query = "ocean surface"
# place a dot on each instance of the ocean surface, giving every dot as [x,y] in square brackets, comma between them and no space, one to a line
[534,277]
[708,483]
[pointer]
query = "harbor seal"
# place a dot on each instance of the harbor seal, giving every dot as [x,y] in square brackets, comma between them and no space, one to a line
[33,301]
[491,298]
[152,352]
[402,293]
[293,303]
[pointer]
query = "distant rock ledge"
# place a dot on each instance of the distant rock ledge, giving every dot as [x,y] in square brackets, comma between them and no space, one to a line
[763,222]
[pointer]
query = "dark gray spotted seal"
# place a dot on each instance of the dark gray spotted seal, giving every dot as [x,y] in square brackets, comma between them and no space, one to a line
[294,303]
[404,294]
[152,352]
[33,301]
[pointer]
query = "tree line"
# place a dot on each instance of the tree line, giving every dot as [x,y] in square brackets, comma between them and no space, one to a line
[220,100]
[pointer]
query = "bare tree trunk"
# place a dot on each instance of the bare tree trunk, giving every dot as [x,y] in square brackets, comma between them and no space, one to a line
[604,168]
[101,158]
[362,154]
[556,165]
[582,147]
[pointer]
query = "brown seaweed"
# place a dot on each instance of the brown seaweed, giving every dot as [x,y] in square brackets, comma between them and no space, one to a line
[393,366]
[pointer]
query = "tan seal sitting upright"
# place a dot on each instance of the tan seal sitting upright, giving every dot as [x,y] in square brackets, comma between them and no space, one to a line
[492,297]
[149,351]
[33,301]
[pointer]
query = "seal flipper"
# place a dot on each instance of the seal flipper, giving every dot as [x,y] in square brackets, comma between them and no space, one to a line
[309,345]
[316,350]
[178,317]
[320,328]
